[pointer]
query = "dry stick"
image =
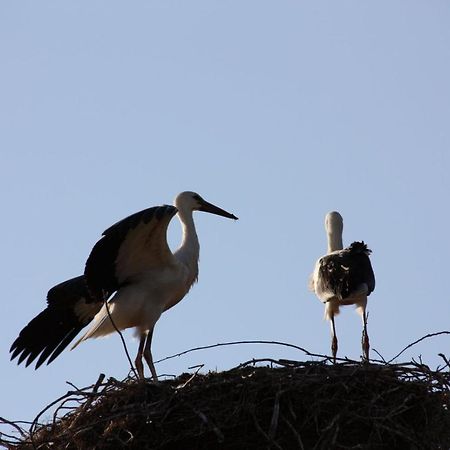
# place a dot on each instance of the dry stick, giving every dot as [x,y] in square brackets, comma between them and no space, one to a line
[222,344]
[13,424]
[8,440]
[35,421]
[416,342]
[379,354]
[447,363]
[204,418]
[278,362]
[89,401]
[263,433]
[72,385]
[294,432]
[120,334]
[79,392]
[296,347]
[199,367]
[275,416]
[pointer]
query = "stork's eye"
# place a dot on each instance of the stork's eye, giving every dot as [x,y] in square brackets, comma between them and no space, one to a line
[197,197]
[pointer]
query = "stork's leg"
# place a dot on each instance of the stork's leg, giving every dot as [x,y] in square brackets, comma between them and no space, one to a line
[148,355]
[334,341]
[138,360]
[365,337]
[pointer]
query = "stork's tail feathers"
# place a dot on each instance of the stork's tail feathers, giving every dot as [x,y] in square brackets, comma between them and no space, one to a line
[359,247]
[101,326]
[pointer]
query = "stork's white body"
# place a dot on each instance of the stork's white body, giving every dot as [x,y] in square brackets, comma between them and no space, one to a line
[141,304]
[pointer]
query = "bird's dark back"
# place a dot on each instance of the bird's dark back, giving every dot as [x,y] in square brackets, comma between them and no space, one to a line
[344,271]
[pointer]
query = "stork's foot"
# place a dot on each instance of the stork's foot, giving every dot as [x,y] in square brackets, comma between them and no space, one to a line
[334,347]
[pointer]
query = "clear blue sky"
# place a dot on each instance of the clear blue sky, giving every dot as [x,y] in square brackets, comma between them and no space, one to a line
[276,111]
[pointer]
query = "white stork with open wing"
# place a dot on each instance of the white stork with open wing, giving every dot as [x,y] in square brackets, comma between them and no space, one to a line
[132,260]
[343,277]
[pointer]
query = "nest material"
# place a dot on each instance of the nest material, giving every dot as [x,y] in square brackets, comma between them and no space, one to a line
[291,405]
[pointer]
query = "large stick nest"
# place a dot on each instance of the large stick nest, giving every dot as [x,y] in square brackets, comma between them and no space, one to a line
[287,405]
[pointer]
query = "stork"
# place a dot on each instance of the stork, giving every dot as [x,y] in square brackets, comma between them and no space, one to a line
[133,261]
[344,276]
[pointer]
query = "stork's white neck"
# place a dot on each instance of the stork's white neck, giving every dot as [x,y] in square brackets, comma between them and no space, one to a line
[334,242]
[189,250]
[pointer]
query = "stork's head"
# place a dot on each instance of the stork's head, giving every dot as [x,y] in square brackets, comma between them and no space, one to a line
[191,201]
[334,223]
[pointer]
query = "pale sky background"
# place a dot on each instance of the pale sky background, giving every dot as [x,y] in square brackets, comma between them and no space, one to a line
[276,111]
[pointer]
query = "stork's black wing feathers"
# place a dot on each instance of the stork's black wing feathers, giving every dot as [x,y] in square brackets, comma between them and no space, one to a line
[122,227]
[69,309]
[344,271]
[132,234]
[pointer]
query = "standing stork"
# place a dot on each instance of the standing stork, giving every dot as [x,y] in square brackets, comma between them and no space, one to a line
[132,260]
[344,276]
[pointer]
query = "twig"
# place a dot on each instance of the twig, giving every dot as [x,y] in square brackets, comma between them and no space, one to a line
[12,440]
[223,344]
[275,416]
[294,432]
[379,354]
[200,366]
[263,433]
[13,424]
[72,385]
[260,360]
[447,363]
[89,401]
[67,395]
[213,426]
[416,342]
